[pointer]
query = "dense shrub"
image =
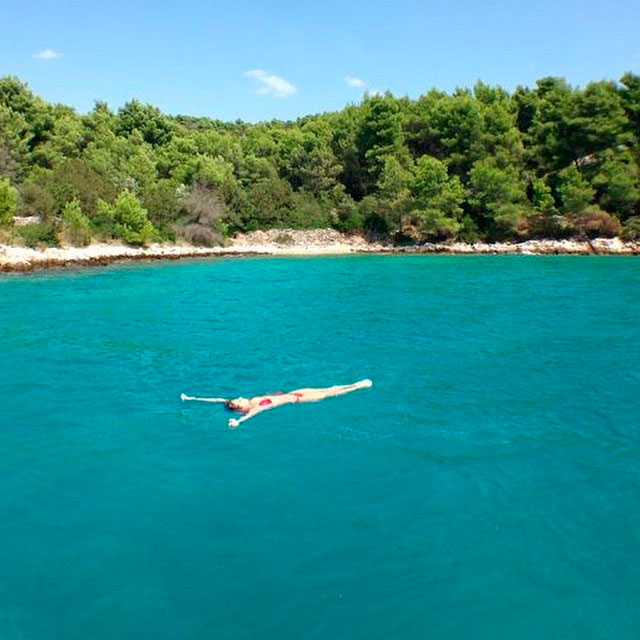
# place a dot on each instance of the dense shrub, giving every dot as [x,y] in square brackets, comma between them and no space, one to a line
[631,229]
[36,200]
[506,221]
[162,202]
[205,212]
[594,223]
[8,201]
[469,231]
[617,181]
[76,179]
[574,190]
[542,225]
[201,235]
[434,226]
[127,219]
[38,235]
[270,204]
[75,228]
[307,212]
[347,217]
[541,197]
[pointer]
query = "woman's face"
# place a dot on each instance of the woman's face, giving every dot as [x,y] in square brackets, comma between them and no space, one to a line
[239,404]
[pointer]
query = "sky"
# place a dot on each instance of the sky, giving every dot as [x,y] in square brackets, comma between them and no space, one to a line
[280,59]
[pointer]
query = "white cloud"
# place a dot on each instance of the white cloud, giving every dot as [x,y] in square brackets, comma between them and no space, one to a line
[270,84]
[47,54]
[352,81]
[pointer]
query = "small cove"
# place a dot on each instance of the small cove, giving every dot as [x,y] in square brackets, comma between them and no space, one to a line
[486,486]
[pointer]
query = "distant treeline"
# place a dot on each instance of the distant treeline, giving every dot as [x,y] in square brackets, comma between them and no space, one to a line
[487,164]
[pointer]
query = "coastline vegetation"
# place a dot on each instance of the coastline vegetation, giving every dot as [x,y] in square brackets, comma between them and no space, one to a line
[552,161]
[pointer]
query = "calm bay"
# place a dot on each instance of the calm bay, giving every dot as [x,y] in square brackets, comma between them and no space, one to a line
[486,486]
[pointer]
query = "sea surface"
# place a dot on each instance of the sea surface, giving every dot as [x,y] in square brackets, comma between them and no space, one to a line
[486,487]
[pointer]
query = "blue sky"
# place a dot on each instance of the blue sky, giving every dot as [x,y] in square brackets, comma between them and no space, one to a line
[281,59]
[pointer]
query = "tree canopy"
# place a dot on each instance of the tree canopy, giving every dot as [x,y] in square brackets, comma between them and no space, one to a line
[476,163]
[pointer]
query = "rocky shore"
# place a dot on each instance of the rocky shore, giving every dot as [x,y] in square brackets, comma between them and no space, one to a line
[330,240]
[293,242]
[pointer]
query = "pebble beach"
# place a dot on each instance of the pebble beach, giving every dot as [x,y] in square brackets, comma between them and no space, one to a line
[292,242]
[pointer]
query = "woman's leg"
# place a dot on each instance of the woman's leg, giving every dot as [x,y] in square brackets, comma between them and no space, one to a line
[314,395]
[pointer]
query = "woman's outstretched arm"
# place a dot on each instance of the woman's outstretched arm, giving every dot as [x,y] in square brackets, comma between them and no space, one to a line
[184,397]
[234,422]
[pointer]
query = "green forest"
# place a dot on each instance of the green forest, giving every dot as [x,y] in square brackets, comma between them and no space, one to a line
[552,161]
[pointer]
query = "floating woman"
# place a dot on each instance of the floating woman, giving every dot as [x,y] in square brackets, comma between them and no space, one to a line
[250,407]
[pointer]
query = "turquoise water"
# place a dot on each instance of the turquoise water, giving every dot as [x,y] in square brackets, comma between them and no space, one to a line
[487,486]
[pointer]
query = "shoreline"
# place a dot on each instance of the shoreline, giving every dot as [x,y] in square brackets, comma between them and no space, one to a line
[287,242]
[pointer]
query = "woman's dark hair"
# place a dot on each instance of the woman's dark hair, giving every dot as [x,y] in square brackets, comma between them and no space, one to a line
[228,407]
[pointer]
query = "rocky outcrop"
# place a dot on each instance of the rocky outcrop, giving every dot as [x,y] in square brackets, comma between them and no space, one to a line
[603,246]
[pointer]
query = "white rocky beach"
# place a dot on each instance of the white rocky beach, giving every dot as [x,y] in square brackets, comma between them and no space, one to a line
[292,242]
